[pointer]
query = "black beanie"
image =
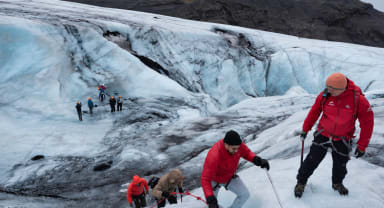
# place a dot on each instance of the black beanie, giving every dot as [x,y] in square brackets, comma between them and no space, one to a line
[232,138]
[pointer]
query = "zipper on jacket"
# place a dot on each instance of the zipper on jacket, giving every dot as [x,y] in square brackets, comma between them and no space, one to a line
[338,114]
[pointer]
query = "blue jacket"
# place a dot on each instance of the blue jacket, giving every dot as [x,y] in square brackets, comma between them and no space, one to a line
[90,103]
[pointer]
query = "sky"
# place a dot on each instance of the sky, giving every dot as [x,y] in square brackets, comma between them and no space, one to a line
[214,84]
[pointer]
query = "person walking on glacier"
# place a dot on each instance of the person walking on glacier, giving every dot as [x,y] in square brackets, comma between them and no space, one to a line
[120,103]
[90,105]
[166,185]
[136,192]
[220,166]
[79,112]
[112,103]
[101,88]
[342,103]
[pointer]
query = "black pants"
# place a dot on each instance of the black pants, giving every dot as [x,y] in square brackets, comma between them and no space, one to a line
[171,200]
[79,113]
[101,97]
[90,110]
[119,106]
[317,154]
[139,200]
[112,108]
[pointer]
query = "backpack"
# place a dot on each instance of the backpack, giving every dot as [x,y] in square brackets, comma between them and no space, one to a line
[153,181]
[356,99]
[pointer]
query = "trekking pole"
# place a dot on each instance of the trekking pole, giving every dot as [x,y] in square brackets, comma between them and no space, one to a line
[274,189]
[302,151]
[298,133]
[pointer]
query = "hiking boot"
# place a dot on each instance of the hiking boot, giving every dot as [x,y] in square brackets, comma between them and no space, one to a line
[299,189]
[340,188]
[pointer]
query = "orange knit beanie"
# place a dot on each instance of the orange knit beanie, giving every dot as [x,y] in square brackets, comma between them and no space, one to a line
[337,80]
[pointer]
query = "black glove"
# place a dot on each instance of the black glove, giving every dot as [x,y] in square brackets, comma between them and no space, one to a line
[303,134]
[165,194]
[263,163]
[212,202]
[359,153]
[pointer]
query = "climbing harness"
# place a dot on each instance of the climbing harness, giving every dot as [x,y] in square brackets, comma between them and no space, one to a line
[329,143]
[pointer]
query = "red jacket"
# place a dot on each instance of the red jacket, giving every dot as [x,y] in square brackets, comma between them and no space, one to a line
[338,120]
[220,166]
[136,187]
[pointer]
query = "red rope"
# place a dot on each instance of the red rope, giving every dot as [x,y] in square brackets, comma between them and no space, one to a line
[185,193]
[194,196]
[159,202]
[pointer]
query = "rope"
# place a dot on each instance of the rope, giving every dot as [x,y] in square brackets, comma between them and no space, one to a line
[194,196]
[330,141]
[185,193]
[323,145]
[159,202]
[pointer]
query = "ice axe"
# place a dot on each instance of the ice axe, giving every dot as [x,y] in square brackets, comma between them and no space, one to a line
[302,151]
[302,135]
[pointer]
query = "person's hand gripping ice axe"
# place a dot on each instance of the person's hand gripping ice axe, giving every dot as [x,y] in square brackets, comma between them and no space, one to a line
[302,135]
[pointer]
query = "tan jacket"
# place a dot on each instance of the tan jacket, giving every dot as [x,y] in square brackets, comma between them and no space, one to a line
[168,183]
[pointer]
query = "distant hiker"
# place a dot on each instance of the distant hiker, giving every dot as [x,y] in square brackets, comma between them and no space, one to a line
[101,88]
[341,103]
[120,104]
[166,185]
[220,166]
[90,105]
[112,103]
[102,96]
[78,108]
[136,192]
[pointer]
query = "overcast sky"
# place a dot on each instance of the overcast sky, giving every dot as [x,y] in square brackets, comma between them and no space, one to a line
[378,4]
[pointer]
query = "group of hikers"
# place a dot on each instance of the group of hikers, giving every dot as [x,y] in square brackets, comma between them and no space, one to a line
[112,102]
[341,104]
[162,189]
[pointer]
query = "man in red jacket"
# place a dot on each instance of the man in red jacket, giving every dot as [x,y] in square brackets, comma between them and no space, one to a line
[136,191]
[341,103]
[220,166]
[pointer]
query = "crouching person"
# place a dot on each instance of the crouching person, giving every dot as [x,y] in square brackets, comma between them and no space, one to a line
[136,192]
[220,166]
[166,185]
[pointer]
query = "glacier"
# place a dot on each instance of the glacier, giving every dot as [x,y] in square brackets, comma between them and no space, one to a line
[184,84]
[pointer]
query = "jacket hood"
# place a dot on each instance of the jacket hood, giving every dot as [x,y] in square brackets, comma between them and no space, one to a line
[175,176]
[351,87]
[136,179]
